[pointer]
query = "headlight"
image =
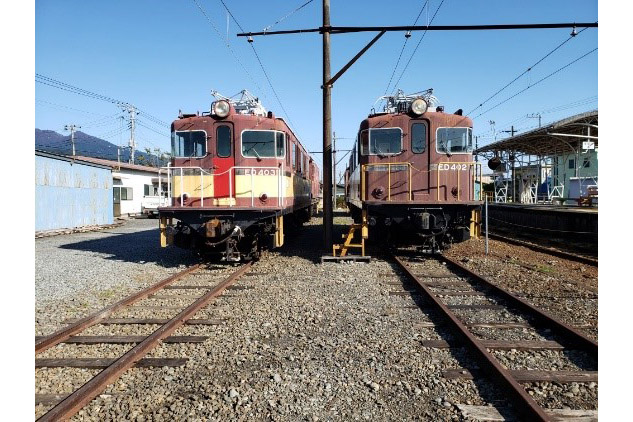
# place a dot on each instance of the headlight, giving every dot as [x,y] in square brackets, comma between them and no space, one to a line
[418,106]
[221,108]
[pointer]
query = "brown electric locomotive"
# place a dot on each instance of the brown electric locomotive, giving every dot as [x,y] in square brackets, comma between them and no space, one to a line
[238,177]
[411,176]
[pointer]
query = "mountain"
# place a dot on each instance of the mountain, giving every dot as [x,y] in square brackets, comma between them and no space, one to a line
[87,145]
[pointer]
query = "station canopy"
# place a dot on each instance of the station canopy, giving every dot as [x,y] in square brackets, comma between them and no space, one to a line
[562,137]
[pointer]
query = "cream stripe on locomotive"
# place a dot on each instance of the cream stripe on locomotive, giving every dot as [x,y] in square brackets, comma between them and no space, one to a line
[190,184]
[245,186]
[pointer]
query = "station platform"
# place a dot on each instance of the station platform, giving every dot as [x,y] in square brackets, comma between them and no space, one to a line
[551,222]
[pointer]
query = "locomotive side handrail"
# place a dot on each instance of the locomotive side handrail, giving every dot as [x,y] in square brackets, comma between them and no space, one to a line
[231,171]
[279,171]
[364,170]
[473,167]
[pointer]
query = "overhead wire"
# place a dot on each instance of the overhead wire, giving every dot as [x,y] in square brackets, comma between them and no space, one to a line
[263,70]
[418,44]
[287,15]
[226,41]
[537,82]
[561,107]
[61,106]
[45,80]
[528,69]
[488,135]
[406,39]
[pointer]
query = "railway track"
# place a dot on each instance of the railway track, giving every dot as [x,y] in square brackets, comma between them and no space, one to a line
[199,286]
[546,249]
[482,315]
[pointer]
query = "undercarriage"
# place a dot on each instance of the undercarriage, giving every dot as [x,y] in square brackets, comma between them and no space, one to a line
[432,229]
[230,236]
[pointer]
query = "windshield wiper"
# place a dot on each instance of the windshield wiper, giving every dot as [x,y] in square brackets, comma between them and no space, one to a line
[255,151]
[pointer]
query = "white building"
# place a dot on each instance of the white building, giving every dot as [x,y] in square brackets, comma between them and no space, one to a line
[134,187]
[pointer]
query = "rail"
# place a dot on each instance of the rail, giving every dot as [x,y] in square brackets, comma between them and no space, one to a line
[76,400]
[569,338]
[212,178]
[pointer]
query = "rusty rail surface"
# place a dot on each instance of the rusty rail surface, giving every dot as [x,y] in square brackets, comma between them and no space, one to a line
[573,336]
[82,396]
[525,405]
[65,333]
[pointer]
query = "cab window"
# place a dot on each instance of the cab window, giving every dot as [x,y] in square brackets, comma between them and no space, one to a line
[386,141]
[418,138]
[189,143]
[454,140]
[223,141]
[262,143]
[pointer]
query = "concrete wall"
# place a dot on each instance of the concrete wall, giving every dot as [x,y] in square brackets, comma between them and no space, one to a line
[71,194]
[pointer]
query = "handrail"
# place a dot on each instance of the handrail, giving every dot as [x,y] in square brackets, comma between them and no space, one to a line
[473,165]
[231,171]
[364,170]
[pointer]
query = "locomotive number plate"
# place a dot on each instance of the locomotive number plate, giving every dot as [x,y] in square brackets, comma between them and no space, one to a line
[256,172]
[447,166]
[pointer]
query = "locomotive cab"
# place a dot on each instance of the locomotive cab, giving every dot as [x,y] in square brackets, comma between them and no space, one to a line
[232,180]
[413,175]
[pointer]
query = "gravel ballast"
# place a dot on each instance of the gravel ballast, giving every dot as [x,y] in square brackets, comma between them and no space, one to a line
[304,341]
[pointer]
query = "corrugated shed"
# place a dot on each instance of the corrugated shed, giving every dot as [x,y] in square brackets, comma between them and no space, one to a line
[71,193]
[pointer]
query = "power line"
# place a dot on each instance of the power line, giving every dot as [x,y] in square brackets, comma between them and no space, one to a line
[60,106]
[138,122]
[418,44]
[45,80]
[558,108]
[226,41]
[406,39]
[537,82]
[263,69]
[287,15]
[572,35]
[67,87]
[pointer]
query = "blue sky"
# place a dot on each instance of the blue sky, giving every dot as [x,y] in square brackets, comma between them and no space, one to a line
[164,56]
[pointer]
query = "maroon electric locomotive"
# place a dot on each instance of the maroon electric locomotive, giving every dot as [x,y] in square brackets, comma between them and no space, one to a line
[411,176]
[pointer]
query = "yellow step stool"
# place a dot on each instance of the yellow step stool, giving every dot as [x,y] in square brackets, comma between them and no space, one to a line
[347,244]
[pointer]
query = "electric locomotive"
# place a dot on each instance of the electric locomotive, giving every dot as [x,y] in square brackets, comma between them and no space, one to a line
[411,176]
[237,176]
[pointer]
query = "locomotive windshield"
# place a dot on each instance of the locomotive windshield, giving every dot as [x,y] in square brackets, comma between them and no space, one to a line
[263,143]
[189,144]
[386,141]
[454,140]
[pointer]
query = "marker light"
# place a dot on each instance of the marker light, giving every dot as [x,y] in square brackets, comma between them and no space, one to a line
[221,108]
[419,106]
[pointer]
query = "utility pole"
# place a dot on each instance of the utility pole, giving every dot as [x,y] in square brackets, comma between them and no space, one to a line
[512,131]
[132,143]
[334,180]
[72,129]
[494,134]
[534,116]
[513,158]
[328,220]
